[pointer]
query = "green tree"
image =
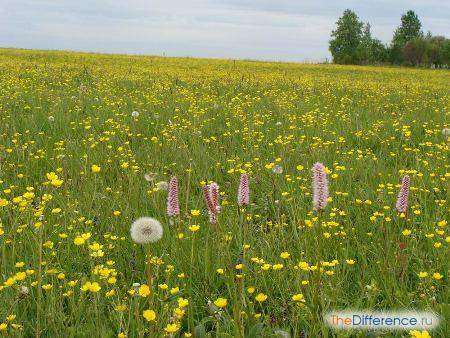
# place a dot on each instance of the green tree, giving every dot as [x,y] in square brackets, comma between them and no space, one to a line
[409,29]
[415,51]
[433,53]
[370,50]
[346,38]
[444,53]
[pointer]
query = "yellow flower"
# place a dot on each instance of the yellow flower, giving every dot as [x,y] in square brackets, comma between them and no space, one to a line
[350,261]
[220,302]
[194,228]
[300,167]
[437,276]
[220,271]
[422,274]
[419,334]
[250,290]
[149,315]
[144,290]
[406,232]
[79,240]
[91,287]
[261,297]
[95,168]
[182,302]
[172,328]
[285,255]
[297,298]
[195,212]
[3,326]
[442,223]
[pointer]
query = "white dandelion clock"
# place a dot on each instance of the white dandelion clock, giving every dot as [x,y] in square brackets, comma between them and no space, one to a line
[146,230]
[135,114]
[277,169]
[163,185]
[446,133]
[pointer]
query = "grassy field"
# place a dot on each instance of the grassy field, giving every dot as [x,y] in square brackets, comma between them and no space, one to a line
[77,167]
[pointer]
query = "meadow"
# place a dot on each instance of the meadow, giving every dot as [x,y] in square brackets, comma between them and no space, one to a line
[89,142]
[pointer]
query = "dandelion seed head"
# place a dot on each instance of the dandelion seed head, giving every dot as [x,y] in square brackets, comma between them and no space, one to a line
[277,169]
[146,230]
[135,114]
[163,185]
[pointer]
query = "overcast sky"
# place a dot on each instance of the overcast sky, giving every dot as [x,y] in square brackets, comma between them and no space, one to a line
[285,30]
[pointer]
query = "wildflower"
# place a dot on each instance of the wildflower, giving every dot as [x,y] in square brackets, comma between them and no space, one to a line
[402,200]
[320,187]
[3,326]
[172,328]
[95,168]
[211,196]
[419,334]
[144,290]
[277,169]
[298,297]
[406,232]
[195,212]
[146,230]
[182,302]
[194,227]
[135,114]
[91,287]
[285,255]
[243,191]
[163,185]
[422,274]
[437,276]
[220,302]
[350,261]
[23,290]
[173,207]
[446,133]
[149,177]
[149,315]
[261,297]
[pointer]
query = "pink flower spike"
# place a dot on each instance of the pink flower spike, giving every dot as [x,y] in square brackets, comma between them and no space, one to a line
[211,196]
[243,191]
[320,187]
[402,200]
[173,205]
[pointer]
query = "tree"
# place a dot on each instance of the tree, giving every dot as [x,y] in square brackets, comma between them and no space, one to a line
[346,38]
[409,29]
[415,51]
[434,47]
[370,50]
[444,53]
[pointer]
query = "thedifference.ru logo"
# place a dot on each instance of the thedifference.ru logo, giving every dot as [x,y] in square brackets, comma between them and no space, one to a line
[362,320]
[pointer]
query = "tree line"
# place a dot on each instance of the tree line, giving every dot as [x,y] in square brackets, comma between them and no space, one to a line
[352,43]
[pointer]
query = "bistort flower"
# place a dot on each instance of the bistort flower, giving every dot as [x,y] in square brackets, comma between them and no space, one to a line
[243,191]
[320,186]
[402,200]
[173,206]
